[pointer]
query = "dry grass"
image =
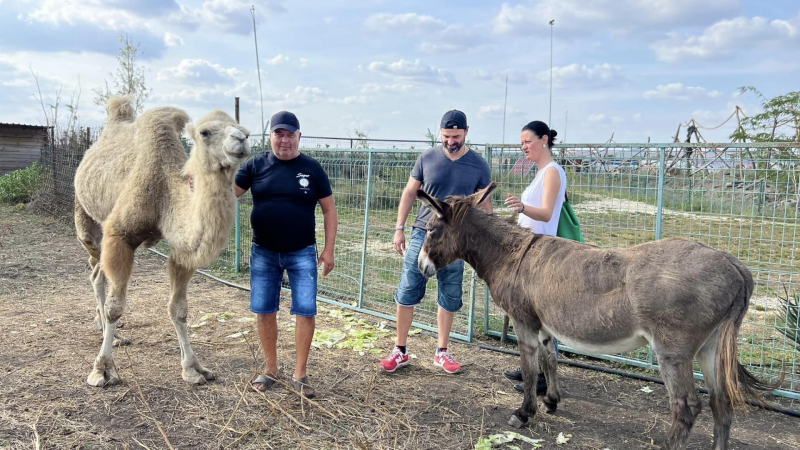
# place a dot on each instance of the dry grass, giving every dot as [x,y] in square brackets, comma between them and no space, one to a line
[48,345]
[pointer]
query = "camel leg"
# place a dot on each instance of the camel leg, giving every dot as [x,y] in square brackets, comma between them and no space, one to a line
[549,364]
[528,349]
[720,403]
[90,235]
[179,278]
[116,260]
[684,402]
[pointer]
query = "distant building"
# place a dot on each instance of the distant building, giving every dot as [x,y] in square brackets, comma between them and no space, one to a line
[20,145]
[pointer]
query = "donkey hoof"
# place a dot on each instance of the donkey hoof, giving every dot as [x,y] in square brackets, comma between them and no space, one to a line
[100,378]
[550,408]
[516,422]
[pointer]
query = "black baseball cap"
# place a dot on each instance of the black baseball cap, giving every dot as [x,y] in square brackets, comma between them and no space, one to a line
[285,120]
[454,120]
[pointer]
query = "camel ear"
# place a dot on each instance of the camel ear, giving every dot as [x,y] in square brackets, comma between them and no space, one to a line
[482,195]
[190,131]
[438,207]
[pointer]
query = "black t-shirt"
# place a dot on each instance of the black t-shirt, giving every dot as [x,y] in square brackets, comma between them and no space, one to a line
[285,194]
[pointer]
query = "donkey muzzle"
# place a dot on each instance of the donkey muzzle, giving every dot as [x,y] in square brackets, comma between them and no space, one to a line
[425,265]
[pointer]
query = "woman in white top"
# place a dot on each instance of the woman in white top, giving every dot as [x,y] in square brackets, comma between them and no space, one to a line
[540,205]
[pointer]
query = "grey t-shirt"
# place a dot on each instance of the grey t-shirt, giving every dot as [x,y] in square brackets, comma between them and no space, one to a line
[442,177]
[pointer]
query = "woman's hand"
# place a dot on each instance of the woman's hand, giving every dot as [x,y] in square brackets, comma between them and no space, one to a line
[514,203]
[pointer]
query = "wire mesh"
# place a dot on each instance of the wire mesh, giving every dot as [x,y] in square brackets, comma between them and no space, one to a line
[740,198]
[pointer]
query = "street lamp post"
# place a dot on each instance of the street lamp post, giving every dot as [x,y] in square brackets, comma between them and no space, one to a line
[550,115]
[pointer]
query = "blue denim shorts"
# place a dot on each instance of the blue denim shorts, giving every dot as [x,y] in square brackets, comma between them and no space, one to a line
[413,283]
[266,274]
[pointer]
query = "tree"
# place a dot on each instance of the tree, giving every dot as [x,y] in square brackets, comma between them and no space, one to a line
[64,127]
[129,78]
[779,122]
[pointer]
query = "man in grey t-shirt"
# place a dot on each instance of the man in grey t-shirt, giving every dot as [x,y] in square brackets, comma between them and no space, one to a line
[447,169]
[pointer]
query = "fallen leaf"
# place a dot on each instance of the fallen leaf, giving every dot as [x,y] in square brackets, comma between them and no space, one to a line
[562,439]
[415,331]
[646,390]
[238,335]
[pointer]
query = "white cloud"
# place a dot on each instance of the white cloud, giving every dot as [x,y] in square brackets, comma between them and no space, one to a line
[197,71]
[95,12]
[172,40]
[496,112]
[300,96]
[437,36]
[409,23]
[277,60]
[328,20]
[677,91]
[575,75]
[228,15]
[372,88]
[581,18]
[596,118]
[728,36]
[303,62]
[415,71]
[514,76]
[351,100]
[19,82]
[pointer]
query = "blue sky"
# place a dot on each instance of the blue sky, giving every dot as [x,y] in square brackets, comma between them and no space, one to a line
[635,68]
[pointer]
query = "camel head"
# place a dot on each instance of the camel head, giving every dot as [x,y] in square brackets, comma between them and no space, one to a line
[219,142]
[443,240]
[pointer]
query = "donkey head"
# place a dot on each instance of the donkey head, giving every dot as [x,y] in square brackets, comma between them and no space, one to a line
[443,244]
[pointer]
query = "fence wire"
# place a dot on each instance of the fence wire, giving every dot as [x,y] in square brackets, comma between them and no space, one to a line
[740,198]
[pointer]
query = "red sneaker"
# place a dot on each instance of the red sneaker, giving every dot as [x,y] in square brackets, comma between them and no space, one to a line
[446,362]
[396,360]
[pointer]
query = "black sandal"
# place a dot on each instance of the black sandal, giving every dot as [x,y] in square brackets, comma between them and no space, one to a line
[303,387]
[267,381]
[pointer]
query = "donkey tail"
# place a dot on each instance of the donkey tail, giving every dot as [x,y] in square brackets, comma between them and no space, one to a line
[737,381]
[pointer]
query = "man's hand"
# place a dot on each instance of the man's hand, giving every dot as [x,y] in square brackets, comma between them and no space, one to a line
[399,241]
[326,258]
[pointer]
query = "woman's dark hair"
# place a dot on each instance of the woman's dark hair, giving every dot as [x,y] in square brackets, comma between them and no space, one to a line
[540,129]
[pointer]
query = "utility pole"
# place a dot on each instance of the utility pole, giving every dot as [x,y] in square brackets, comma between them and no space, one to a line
[550,115]
[505,101]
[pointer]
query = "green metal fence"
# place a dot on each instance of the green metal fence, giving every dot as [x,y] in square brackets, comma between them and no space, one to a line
[741,198]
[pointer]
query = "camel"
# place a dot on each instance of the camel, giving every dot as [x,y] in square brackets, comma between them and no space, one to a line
[133,188]
[685,299]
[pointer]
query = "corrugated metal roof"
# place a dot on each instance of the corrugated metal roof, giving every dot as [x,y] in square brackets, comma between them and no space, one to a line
[22,125]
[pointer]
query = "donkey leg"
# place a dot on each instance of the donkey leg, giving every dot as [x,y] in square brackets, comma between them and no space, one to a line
[117,263]
[720,403]
[179,277]
[528,348]
[684,402]
[549,364]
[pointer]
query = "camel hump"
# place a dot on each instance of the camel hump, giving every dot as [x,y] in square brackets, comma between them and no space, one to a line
[120,109]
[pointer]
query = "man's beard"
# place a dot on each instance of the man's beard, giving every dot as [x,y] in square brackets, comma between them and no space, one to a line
[456,149]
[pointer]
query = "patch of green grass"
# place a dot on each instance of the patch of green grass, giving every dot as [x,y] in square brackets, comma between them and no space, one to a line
[21,185]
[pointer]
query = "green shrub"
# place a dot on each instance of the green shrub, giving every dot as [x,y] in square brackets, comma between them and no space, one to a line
[20,185]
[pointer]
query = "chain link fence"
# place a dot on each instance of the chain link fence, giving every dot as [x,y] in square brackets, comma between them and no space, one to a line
[740,198]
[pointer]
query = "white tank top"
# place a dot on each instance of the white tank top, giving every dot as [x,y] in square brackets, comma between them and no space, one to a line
[534,195]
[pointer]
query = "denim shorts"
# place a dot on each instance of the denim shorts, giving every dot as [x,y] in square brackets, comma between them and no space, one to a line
[413,283]
[266,274]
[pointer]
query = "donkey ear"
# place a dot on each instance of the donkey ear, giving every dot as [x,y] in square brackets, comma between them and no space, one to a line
[432,203]
[482,195]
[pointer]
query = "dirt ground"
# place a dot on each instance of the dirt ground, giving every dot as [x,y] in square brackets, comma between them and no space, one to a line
[48,343]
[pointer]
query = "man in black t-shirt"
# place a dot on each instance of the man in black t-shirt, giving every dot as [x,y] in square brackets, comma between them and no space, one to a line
[286,187]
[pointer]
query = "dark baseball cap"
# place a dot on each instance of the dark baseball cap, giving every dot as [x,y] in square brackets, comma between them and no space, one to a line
[285,120]
[454,119]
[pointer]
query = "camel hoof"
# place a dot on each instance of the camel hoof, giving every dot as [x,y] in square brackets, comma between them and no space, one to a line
[98,324]
[193,377]
[516,422]
[99,378]
[121,342]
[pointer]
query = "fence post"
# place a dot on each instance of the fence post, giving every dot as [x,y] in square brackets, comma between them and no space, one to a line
[366,230]
[660,201]
[487,297]
[238,226]
[472,295]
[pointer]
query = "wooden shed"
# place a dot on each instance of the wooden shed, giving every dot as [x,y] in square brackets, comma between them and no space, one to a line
[20,145]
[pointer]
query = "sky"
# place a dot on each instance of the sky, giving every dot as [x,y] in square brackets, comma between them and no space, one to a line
[634,68]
